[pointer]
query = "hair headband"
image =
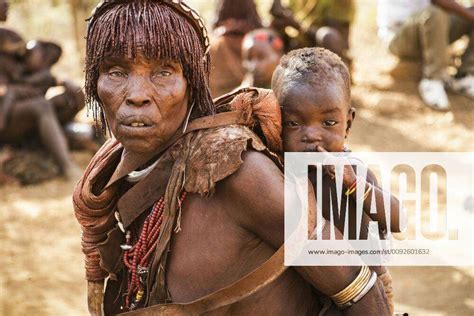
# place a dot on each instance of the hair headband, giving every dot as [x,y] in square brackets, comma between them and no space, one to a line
[178,5]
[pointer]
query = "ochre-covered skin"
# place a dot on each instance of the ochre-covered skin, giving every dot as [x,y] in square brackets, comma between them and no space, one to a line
[206,220]
[232,218]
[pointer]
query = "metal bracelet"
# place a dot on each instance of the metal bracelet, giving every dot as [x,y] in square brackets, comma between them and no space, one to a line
[365,290]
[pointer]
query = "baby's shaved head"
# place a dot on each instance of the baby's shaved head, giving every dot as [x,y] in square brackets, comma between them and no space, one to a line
[312,66]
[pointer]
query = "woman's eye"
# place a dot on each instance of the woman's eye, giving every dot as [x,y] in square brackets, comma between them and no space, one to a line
[291,124]
[117,73]
[162,73]
[329,123]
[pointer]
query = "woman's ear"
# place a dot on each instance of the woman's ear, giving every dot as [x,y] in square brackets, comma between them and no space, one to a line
[350,118]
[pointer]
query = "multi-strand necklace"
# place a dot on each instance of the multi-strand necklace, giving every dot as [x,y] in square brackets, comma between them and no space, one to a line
[137,257]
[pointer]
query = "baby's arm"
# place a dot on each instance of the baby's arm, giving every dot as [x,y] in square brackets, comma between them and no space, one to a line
[372,186]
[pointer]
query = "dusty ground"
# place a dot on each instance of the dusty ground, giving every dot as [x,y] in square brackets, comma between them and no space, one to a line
[42,265]
[391,117]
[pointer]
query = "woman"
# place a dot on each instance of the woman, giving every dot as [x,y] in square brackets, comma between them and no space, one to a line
[171,208]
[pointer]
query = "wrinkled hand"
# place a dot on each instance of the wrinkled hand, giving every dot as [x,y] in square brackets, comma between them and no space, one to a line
[95,297]
[348,176]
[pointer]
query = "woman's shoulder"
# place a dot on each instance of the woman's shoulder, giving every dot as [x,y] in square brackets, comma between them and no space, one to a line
[217,153]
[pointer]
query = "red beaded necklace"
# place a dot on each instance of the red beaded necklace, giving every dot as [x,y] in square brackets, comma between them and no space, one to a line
[137,258]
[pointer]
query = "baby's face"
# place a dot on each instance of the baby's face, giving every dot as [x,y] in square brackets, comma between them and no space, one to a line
[260,60]
[315,116]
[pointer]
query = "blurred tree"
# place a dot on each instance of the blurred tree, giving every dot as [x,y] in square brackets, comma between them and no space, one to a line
[80,11]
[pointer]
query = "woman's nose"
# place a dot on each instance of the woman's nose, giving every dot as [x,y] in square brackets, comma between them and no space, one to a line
[138,93]
[138,99]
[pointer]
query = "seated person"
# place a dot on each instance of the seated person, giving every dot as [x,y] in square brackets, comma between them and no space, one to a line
[40,56]
[322,23]
[261,53]
[27,113]
[424,29]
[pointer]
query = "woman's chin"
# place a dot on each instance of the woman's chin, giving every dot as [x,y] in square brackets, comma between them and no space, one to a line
[140,146]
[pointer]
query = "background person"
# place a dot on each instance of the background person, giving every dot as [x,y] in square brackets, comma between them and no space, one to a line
[261,53]
[233,20]
[323,23]
[424,29]
[24,111]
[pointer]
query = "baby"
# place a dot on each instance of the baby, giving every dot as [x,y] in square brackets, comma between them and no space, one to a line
[312,86]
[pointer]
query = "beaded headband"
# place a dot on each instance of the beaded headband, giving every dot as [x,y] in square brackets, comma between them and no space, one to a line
[263,35]
[179,6]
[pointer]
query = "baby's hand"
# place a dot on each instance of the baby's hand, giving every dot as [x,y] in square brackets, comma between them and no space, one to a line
[348,177]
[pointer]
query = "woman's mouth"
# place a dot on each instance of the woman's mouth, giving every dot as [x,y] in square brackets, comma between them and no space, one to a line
[136,124]
[137,121]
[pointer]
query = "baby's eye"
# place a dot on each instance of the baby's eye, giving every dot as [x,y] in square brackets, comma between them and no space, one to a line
[329,123]
[291,124]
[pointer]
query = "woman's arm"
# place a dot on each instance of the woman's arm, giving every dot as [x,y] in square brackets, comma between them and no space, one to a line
[258,188]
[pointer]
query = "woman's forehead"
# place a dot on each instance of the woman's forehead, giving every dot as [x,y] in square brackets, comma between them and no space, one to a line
[139,59]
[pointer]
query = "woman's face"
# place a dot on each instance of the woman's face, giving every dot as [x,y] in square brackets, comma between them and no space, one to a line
[145,101]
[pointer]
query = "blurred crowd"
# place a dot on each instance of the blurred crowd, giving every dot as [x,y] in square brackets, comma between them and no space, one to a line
[37,129]
[245,52]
